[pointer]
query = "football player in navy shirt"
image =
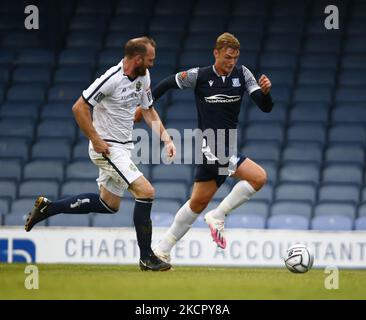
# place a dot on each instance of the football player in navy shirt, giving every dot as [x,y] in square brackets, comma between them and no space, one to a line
[219,91]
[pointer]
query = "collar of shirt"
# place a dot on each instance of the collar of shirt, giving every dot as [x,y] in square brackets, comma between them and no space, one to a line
[223,77]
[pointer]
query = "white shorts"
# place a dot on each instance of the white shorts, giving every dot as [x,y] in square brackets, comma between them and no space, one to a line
[118,171]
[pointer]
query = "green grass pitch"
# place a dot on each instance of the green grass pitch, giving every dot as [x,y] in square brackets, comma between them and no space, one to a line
[128,282]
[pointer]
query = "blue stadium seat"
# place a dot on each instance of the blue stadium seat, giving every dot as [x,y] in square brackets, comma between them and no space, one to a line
[19,109]
[351,94]
[37,187]
[57,129]
[32,74]
[16,128]
[4,206]
[170,190]
[207,24]
[296,208]
[166,7]
[278,60]
[355,44]
[51,149]
[289,8]
[288,222]
[339,208]
[125,22]
[36,56]
[196,57]
[7,57]
[313,93]
[119,219]
[80,151]
[183,95]
[282,93]
[44,170]
[10,168]
[296,191]
[265,194]
[163,205]
[323,77]
[14,148]
[363,194]
[173,172]
[251,9]
[143,7]
[27,92]
[271,169]
[279,75]
[262,150]
[77,56]
[21,39]
[361,211]
[24,205]
[353,153]
[109,57]
[74,187]
[81,170]
[302,151]
[66,92]
[18,219]
[248,221]
[53,110]
[175,23]
[92,22]
[332,223]
[353,61]
[278,114]
[223,191]
[319,60]
[286,25]
[283,42]
[84,39]
[162,219]
[323,43]
[308,111]
[360,223]
[253,25]
[339,192]
[207,7]
[351,78]
[252,208]
[100,8]
[69,74]
[342,173]
[349,113]
[300,172]
[347,133]
[117,39]
[167,57]
[69,220]
[310,132]
[4,74]
[265,131]
[183,110]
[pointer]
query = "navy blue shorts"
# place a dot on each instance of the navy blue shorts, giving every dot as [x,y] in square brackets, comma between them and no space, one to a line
[210,171]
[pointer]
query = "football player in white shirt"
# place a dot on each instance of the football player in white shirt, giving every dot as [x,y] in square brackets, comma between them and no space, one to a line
[114,98]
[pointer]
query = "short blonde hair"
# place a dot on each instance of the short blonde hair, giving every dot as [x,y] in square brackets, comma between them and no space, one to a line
[227,40]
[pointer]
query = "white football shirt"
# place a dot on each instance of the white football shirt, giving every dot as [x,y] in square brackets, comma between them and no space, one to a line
[114,98]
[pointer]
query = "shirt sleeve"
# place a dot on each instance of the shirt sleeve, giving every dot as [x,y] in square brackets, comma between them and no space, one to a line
[147,99]
[187,79]
[250,82]
[101,87]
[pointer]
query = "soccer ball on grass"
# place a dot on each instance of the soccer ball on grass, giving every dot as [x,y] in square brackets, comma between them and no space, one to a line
[299,259]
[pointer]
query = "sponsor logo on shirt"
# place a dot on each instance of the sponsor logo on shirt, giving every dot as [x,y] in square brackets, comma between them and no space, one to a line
[138,86]
[211,83]
[99,97]
[222,98]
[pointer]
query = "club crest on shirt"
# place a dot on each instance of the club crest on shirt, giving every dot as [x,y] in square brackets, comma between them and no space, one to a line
[236,82]
[138,86]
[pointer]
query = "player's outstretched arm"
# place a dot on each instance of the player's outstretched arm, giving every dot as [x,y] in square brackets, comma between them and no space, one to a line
[163,86]
[83,118]
[153,120]
[262,96]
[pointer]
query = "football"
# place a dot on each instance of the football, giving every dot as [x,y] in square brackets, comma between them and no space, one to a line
[299,259]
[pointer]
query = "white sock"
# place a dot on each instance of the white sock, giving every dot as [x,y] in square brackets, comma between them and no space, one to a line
[182,223]
[241,193]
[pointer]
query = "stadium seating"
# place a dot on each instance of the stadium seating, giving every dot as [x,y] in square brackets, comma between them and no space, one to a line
[312,145]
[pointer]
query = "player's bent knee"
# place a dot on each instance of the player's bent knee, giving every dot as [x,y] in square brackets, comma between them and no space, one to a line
[198,206]
[260,179]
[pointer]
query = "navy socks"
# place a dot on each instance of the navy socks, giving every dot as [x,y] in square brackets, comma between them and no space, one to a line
[143,226]
[82,203]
